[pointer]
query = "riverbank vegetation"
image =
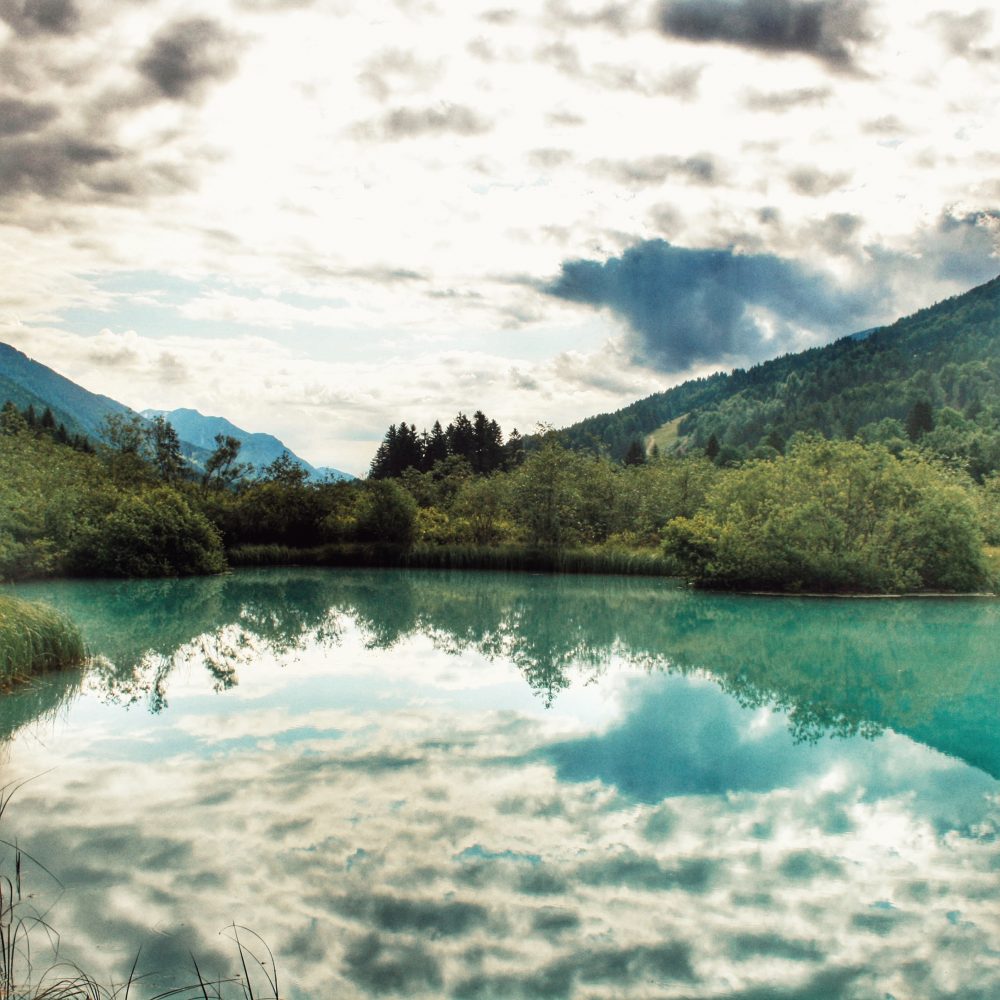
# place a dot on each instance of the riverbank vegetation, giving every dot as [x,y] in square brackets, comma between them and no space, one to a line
[34,639]
[815,515]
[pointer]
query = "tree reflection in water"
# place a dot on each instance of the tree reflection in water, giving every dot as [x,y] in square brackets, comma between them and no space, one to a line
[840,667]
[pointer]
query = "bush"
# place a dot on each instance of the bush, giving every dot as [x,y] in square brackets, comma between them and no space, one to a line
[833,516]
[387,514]
[154,533]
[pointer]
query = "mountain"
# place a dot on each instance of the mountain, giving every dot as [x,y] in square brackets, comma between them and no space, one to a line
[26,382]
[258,449]
[868,384]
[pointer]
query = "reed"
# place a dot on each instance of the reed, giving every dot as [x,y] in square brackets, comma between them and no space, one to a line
[35,638]
[509,558]
[22,920]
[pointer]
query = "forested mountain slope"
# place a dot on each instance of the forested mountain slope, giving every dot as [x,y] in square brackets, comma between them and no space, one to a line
[933,377]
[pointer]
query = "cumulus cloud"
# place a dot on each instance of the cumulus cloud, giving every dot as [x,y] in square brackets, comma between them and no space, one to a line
[826,29]
[688,306]
[186,55]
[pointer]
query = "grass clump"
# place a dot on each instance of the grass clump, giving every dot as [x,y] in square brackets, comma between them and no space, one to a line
[35,638]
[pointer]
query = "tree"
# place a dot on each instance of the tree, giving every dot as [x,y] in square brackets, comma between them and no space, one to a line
[636,454]
[222,467]
[920,420]
[712,448]
[166,447]
[387,515]
[284,471]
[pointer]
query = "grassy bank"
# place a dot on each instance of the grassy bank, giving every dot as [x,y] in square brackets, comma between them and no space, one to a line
[34,638]
[508,558]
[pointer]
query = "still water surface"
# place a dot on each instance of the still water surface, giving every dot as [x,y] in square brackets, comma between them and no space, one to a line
[507,786]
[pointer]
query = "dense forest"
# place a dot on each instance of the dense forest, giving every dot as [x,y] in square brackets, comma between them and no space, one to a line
[872,386]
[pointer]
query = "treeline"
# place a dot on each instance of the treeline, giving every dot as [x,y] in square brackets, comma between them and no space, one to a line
[825,515]
[13,420]
[478,442]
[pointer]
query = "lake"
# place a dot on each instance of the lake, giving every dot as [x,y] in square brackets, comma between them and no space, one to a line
[478,785]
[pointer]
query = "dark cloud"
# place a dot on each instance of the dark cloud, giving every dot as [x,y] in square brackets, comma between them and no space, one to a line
[18,117]
[689,306]
[826,29]
[804,866]
[701,169]
[81,169]
[186,55]
[670,961]
[397,914]
[783,100]
[40,17]
[814,183]
[771,945]
[643,873]
[411,123]
[391,967]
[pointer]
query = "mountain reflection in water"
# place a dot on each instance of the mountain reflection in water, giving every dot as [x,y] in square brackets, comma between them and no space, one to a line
[352,764]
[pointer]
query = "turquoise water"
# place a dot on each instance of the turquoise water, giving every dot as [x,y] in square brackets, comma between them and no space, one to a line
[486,785]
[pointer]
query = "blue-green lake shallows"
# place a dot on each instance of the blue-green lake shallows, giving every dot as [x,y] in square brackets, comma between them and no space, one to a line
[501,786]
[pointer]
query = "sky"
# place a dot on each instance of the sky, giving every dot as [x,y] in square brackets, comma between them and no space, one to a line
[317,218]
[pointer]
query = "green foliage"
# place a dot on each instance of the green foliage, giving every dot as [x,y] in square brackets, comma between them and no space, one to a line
[833,516]
[35,638]
[153,533]
[387,515]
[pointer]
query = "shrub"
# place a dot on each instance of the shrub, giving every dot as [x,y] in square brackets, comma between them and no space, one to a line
[154,533]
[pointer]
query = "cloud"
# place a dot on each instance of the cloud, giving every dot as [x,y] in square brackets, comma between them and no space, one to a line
[383,73]
[186,55]
[784,100]
[655,170]
[18,117]
[40,17]
[826,29]
[815,183]
[612,16]
[688,306]
[962,32]
[411,123]
[390,967]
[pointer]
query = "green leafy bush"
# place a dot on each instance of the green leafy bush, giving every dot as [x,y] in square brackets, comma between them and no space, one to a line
[833,515]
[154,533]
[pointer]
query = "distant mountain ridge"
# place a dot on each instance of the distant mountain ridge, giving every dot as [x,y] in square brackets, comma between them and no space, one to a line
[257,448]
[27,382]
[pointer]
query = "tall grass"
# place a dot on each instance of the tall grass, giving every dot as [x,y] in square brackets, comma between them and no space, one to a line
[511,558]
[34,638]
[27,938]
